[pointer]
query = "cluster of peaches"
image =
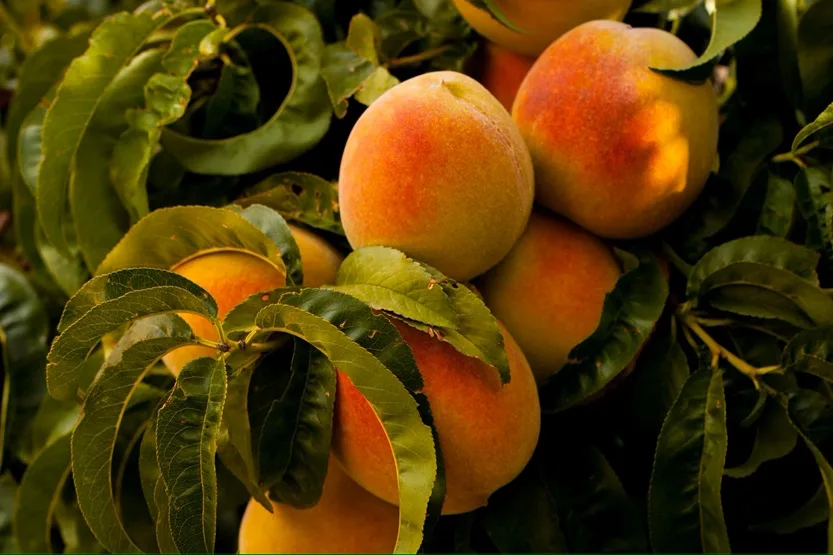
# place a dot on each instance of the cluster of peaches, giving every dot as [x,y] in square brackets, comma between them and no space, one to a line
[438,168]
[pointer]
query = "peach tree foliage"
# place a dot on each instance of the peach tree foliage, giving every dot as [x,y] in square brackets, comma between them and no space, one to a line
[138,134]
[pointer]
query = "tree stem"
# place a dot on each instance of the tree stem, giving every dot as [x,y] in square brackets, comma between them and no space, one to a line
[417,58]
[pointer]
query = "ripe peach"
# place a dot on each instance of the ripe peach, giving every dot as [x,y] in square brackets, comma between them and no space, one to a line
[542,20]
[487,432]
[347,519]
[437,169]
[618,148]
[319,259]
[502,72]
[549,291]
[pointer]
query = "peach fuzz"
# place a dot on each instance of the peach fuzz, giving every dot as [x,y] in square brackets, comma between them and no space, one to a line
[549,292]
[618,148]
[542,21]
[347,519]
[502,72]
[437,169]
[487,432]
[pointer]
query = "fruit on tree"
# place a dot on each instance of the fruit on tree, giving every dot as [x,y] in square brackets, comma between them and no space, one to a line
[502,71]
[618,148]
[320,260]
[347,519]
[487,433]
[550,290]
[437,169]
[542,21]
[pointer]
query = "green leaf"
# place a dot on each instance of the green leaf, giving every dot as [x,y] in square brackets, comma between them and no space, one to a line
[410,439]
[272,224]
[821,123]
[731,21]
[771,251]
[811,352]
[352,68]
[40,71]
[168,236]
[112,46]
[187,427]
[299,123]
[685,509]
[386,279]
[30,143]
[764,291]
[815,511]
[95,435]
[164,535]
[67,271]
[775,437]
[301,422]
[108,302]
[166,98]
[814,192]
[37,496]
[815,54]
[149,473]
[630,312]
[23,332]
[778,211]
[495,11]
[233,106]
[301,197]
[8,492]
[671,7]
[801,409]
[75,534]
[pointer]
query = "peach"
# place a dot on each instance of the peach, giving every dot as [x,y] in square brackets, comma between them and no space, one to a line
[319,259]
[618,148]
[542,21]
[437,169]
[549,292]
[487,432]
[502,72]
[347,519]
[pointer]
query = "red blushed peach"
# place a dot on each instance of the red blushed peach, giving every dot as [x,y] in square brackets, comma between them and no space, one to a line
[550,290]
[502,72]
[543,21]
[618,148]
[487,432]
[437,169]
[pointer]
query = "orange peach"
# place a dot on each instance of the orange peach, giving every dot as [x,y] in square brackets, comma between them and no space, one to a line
[549,292]
[347,519]
[542,21]
[319,259]
[487,432]
[618,148]
[502,72]
[437,169]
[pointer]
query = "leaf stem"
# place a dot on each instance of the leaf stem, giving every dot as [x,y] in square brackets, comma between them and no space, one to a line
[220,346]
[681,265]
[796,156]
[418,58]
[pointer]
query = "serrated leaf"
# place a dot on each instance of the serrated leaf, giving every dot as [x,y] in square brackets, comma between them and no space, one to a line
[240,320]
[388,280]
[684,504]
[166,98]
[164,535]
[166,237]
[301,422]
[630,312]
[764,291]
[23,332]
[67,271]
[94,438]
[272,224]
[352,68]
[815,54]
[37,496]
[811,351]
[112,46]
[299,123]
[775,437]
[30,142]
[75,534]
[822,122]
[802,411]
[778,210]
[117,299]
[731,20]
[814,192]
[663,6]
[410,439]
[149,473]
[301,197]
[187,427]
[233,106]
[765,250]
[41,70]
[815,511]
